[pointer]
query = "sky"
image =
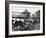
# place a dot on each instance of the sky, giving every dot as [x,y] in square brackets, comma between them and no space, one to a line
[20,8]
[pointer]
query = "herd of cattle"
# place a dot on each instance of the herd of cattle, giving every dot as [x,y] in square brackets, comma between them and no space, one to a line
[24,24]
